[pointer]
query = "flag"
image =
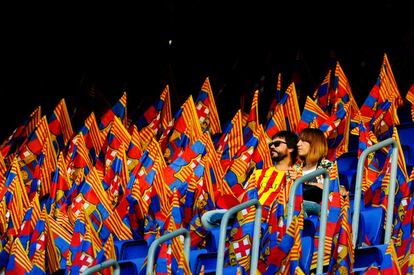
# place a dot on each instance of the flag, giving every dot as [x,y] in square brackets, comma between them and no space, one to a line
[118,110]
[9,146]
[19,262]
[290,105]
[231,140]
[321,94]
[156,118]
[276,99]
[276,123]
[60,126]
[410,98]
[343,251]
[207,110]
[252,121]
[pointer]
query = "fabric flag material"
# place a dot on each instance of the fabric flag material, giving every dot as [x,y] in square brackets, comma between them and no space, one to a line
[207,110]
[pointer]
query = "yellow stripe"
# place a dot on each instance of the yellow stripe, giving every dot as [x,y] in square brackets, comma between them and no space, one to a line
[263,196]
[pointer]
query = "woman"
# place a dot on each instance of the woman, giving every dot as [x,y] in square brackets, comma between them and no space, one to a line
[312,152]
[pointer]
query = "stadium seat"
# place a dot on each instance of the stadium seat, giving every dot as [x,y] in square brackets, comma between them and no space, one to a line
[208,260]
[347,165]
[194,258]
[406,133]
[118,244]
[308,245]
[133,249]
[373,222]
[212,239]
[368,256]
[132,266]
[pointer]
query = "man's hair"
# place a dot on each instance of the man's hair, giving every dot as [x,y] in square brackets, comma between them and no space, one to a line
[318,144]
[291,142]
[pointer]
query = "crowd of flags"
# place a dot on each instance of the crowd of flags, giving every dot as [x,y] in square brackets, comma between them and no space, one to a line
[67,195]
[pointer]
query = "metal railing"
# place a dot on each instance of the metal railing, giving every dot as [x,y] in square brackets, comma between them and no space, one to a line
[391,192]
[153,248]
[324,210]
[99,267]
[227,215]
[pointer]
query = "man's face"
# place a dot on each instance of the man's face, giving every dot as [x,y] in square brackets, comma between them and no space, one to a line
[278,149]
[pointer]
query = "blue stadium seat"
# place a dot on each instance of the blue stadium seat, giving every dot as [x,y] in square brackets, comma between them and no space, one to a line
[194,256]
[118,244]
[347,165]
[308,245]
[408,156]
[406,133]
[347,161]
[208,260]
[132,266]
[133,249]
[368,256]
[373,224]
[212,239]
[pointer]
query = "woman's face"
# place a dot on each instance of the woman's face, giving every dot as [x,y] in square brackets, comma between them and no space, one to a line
[303,148]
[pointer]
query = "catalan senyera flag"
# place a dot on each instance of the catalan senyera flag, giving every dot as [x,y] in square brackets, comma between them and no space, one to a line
[390,90]
[284,257]
[91,135]
[61,239]
[60,126]
[37,143]
[186,130]
[156,118]
[16,199]
[312,115]
[19,262]
[410,98]
[291,109]
[78,159]
[343,251]
[253,119]
[118,137]
[276,99]
[276,123]
[231,140]
[207,110]
[239,167]
[321,94]
[134,151]
[261,157]
[119,110]
[30,219]
[9,146]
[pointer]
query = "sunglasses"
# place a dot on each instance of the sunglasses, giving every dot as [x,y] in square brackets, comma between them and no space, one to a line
[276,143]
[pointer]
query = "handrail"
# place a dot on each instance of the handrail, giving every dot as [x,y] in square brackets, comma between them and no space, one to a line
[391,190]
[254,257]
[99,267]
[324,210]
[164,238]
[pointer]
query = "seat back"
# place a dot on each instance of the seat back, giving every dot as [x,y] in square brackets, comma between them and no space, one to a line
[366,257]
[373,225]
[134,249]
[308,245]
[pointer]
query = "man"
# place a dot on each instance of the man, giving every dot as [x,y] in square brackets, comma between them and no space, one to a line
[284,150]
[273,180]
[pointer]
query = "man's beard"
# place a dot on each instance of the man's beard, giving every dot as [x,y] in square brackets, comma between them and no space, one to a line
[280,156]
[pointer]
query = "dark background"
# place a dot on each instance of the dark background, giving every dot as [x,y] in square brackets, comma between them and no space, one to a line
[90,54]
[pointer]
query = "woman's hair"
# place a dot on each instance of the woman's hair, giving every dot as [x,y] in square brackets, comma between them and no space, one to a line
[318,144]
